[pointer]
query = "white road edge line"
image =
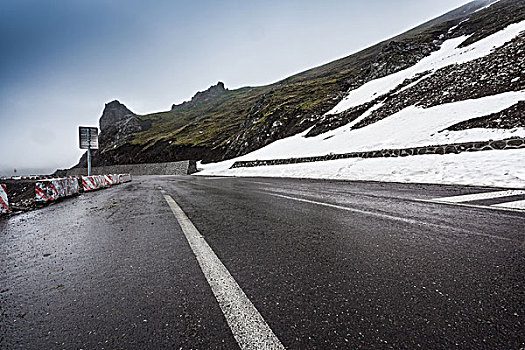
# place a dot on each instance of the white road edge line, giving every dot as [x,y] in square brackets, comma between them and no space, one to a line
[390,217]
[248,326]
[479,196]
[516,205]
[489,207]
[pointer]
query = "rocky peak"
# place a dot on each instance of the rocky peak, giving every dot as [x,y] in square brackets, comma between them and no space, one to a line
[202,97]
[114,113]
[118,124]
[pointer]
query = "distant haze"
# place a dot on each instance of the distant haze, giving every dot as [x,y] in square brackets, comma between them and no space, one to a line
[62,61]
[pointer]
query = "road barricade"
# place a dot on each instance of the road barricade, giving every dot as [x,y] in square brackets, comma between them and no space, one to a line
[4,203]
[91,183]
[124,178]
[94,182]
[111,179]
[25,193]
[53,189]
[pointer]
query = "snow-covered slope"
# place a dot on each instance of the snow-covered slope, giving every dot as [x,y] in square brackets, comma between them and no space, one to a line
[450,53]
[411,126]
[489,168]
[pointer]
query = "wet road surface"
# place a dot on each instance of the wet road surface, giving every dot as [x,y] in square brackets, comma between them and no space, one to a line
[327,264]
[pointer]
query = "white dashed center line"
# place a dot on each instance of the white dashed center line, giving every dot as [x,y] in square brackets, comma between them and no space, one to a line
[479,196]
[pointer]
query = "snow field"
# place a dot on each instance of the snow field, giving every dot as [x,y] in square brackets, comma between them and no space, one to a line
[488,168]
[410,127]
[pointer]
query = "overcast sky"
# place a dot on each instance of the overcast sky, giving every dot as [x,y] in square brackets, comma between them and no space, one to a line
[61,61]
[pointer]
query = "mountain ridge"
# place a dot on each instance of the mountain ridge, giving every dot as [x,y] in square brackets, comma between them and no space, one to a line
[235,122]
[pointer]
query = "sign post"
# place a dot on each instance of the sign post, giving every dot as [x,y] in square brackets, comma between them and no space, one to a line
[89,152]
[88,140]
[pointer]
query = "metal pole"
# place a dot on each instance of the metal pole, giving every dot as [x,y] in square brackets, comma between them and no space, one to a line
[89,151]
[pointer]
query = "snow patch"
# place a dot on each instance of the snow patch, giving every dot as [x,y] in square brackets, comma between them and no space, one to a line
[460,23]
[488,168]
[410,127]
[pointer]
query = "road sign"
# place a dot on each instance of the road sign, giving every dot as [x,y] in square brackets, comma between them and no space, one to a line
[88,139]
[88,135]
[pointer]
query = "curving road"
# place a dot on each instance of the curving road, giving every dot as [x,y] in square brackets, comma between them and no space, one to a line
[224,263]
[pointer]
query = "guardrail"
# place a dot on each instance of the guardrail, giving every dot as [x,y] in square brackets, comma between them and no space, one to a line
[91,183]
[124,178]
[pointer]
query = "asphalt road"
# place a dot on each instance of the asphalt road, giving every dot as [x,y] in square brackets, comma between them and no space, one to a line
[326,264]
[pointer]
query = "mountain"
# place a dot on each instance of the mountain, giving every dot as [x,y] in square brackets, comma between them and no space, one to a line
[202,98]
[219,124]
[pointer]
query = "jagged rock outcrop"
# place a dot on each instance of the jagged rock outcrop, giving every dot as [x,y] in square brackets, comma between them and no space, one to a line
[118,124]
[114,112]
[202,97]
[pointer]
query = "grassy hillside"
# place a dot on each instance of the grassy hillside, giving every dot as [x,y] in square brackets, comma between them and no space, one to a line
[203,125]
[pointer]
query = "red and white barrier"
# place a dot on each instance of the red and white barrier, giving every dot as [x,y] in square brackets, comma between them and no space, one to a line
[107,180]
[47,190]
[112,179]
[124,178]
[4,203]
[53,189]
[91,183]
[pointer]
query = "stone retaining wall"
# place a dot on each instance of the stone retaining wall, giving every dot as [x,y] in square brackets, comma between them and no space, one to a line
[511,143]
[185,167]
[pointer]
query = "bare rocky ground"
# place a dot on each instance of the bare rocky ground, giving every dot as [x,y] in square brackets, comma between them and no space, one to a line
[509,118]
[21,195]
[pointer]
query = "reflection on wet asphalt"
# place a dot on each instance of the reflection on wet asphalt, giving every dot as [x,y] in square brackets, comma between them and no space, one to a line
[327,264]
[110,270]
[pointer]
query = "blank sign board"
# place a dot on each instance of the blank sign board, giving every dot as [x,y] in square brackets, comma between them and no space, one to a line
[88,133]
